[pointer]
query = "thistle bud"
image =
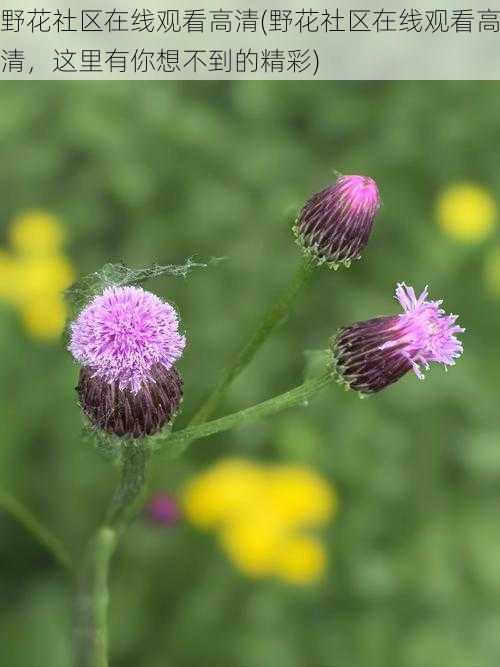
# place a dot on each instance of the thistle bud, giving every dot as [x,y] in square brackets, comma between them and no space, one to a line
[127,341]
[373,354]
[335,224]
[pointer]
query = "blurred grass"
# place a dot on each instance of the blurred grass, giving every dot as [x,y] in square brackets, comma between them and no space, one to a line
[155,172]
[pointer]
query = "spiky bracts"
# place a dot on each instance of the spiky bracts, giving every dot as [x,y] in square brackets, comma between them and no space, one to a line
[335,224]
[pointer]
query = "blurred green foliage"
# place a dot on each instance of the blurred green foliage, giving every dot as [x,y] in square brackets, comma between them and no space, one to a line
[156,172]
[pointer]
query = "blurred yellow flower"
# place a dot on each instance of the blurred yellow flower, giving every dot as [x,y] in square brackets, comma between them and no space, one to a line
[254,543]
[37,233]
[43,276]
[299,496]
[467,212]
[44,318]
[34,276]
[260,512]
[223,492]
[302,560]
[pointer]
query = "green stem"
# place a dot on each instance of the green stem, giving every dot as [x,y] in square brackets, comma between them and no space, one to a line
[273,318]
[135,455]
[92,600]
[43,535]
[93,595]
[178,441]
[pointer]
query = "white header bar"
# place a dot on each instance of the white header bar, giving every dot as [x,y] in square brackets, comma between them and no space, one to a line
[259,40]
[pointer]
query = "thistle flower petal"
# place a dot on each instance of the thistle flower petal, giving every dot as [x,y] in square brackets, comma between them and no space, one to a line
[123,333]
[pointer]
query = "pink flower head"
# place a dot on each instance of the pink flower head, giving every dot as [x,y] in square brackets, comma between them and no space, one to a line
[163,508]
[124,335]
[335,224]
[373,354]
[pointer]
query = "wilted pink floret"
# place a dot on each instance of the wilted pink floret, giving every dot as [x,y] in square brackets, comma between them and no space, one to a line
[426,332]
[121,334]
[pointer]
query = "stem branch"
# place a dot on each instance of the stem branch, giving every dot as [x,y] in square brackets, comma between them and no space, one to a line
[178,441]
[92,601]
[273,318]
[92,606]
[134,462]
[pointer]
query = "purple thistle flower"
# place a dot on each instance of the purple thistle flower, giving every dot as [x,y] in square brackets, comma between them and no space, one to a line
[373,354]
[163,508]
[123,333]
[335,224]
[127,341]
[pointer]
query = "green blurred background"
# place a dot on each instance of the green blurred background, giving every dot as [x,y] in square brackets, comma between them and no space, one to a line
[155,172]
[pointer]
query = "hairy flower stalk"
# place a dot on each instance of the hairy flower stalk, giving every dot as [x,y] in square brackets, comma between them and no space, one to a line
[335,224]
[373,354]
[127,341]
[93,594]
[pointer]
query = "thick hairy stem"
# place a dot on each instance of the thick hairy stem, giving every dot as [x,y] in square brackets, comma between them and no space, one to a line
[92,598]
[271,320]
[134,462]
